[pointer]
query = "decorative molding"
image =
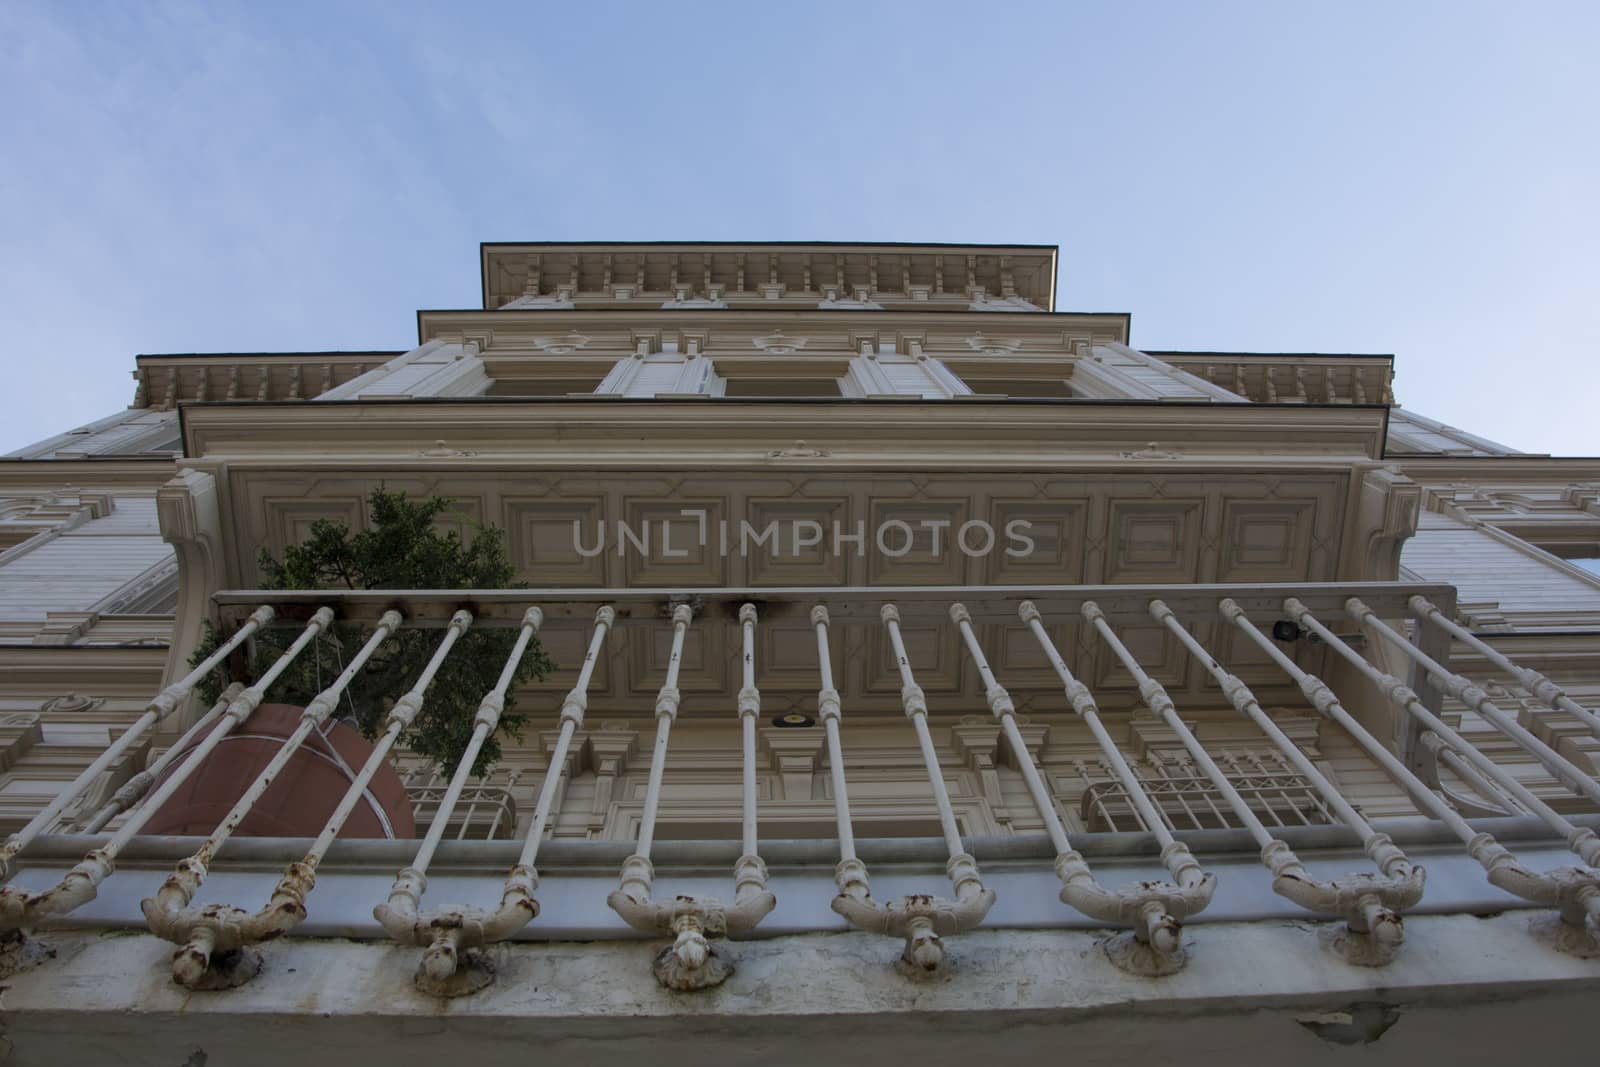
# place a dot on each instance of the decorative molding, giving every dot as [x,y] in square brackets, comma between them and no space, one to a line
[1153,450]
[795,755]
[440,450]
[777,343]
[609,750]
[993,347]
[72,703]
[564,345]
[799,450]
[190,518]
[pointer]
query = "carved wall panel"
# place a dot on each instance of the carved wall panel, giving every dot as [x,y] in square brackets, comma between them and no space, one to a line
[1267,540]
[540,540]
[1091,528]
[1153,540]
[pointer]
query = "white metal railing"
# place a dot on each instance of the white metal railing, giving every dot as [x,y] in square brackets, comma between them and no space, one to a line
[692,962]
[215,940]
[453,963]
[919,918]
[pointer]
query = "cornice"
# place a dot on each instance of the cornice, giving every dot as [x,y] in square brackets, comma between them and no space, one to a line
[448,323]
[342,355]
[1559,469]
[762,246]
[607,432]
[85,473]
[166,381]
[767,269]
[1186,356]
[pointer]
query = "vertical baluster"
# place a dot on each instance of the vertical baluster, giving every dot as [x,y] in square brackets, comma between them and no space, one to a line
[1153,909]
[453,964]
[286,907]
[1583,841]
[692,962]
[1001,706]
[219,928]
[962,868]
[401,716]
[1542,688]
[134,788]
[1185,871]
[750,873]
[1370,906]
[637,873]
[851,873]
[19,909]
[164,704]
[1469,693]
[1575,893]
[920,919]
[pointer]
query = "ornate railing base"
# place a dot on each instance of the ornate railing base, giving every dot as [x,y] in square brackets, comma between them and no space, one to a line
[1154,910]
[454,963]
[1575,894]
[1371,904]
[222,970]
[692,961]
[1579,941]
[1132,954]
[922,919]
[215,940]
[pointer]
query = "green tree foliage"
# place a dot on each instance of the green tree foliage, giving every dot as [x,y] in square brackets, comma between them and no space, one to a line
[402,548]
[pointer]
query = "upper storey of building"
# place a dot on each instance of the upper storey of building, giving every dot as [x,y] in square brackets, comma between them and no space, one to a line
[777,321]
[622,383]
[919,277]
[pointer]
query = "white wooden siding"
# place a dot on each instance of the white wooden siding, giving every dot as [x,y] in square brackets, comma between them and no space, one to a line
[1161,382]
[1410,432]
[135,431]
[1484,569]
[85,565]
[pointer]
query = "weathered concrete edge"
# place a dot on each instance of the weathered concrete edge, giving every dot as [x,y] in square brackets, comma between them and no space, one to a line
[1050,976]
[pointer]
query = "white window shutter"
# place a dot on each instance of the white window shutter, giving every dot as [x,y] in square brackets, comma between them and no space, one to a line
[669,372]
[891,373]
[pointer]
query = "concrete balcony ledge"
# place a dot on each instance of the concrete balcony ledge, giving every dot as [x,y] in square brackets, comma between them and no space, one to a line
[1466,990]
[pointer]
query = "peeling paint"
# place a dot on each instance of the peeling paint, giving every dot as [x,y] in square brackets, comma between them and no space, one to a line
[1358,1024]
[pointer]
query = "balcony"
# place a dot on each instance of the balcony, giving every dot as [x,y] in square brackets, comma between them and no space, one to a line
[1262,774]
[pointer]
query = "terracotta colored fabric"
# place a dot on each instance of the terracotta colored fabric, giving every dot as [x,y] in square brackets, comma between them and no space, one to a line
[300,799]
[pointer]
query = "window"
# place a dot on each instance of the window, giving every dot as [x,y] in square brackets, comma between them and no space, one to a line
[1188,800]
[782,387]
[485,812]
[667,372]
[1024,387]
[884,371]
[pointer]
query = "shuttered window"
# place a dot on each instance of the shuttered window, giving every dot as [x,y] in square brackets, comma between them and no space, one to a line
[887,372]
[665,373]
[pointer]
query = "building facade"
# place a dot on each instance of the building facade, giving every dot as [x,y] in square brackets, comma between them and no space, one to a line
[938,673]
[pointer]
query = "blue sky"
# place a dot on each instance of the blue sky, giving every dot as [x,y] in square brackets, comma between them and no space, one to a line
[1412,178]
